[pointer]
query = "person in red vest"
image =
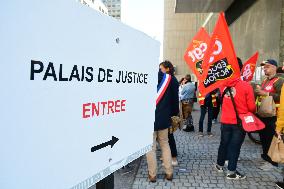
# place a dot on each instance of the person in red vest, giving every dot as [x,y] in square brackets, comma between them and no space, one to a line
[271,86]
[206,105]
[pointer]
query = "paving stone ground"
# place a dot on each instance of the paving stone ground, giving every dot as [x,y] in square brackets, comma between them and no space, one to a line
[196,156]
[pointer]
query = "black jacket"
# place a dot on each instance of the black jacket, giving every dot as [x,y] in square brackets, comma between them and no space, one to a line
[168,105]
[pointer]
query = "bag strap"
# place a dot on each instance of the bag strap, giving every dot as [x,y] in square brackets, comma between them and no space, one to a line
[239,121]
[222,97]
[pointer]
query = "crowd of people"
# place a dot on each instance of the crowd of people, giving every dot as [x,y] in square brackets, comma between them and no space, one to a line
[236,98]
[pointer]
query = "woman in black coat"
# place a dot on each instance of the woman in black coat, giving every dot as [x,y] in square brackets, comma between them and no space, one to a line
[170,108]
[169,104]
[166,108]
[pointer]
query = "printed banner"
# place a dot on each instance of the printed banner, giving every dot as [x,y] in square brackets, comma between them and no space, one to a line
[220,61]
[195,52]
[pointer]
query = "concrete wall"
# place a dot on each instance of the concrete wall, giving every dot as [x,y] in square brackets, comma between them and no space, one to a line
[258,29]
[179,29]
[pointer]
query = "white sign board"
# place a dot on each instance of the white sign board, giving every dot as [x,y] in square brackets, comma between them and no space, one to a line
[71,79]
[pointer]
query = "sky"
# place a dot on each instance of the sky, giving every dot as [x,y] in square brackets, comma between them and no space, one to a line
[146,16]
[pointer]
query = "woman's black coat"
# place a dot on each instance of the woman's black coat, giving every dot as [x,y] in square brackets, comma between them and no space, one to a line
[168,105]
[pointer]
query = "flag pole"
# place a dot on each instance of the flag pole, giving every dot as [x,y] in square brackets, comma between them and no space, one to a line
[207,19]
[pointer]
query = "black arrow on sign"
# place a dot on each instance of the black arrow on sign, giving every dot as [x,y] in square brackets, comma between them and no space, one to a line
[105,144]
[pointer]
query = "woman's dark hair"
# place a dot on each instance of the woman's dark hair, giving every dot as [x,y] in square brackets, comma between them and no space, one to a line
[168,64]
[180,81]
[188,78]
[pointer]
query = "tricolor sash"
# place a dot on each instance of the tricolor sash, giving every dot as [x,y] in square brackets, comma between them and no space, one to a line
[162,87]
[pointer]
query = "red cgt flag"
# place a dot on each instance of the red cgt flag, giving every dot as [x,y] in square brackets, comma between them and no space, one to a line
[195,52]
[249,68]
[220,61]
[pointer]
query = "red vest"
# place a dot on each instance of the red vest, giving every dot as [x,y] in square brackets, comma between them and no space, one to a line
[268,86]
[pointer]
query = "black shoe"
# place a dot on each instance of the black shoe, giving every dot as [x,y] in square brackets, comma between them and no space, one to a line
[189,129]
[152,179]
[280,185]
[169,177]
[209,134]
[265,157]
[235,176]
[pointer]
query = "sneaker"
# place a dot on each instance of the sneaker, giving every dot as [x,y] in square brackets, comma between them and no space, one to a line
[210,134]
[280,185]
[265,157]
[235,176]
[266,167]
[219,168]
[214,121]
[175,163]
[200,134]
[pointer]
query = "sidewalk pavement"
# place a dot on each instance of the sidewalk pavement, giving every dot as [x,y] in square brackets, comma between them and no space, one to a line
[196,156]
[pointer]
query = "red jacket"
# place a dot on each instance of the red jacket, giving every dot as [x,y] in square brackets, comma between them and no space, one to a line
[244,99]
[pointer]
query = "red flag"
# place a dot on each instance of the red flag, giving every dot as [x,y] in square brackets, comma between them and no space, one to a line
[195,52]
[249,68]
[220,61]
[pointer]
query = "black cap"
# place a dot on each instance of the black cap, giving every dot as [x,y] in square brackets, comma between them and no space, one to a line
[269,61]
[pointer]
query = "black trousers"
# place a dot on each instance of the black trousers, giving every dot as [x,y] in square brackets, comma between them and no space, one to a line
[266,136]
[106,183]
[172,144]
[232,138]
[216,110]
[203,110]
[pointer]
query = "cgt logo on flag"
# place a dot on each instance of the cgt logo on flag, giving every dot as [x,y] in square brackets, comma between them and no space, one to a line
[197,54]
[249,67]
[247,72]
[196,51]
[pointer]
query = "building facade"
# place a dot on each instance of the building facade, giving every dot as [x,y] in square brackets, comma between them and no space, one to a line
[255,25]
[95,4]
[114,8]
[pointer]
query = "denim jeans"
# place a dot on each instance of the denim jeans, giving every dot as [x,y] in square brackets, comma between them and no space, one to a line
[203,110]
[232,138]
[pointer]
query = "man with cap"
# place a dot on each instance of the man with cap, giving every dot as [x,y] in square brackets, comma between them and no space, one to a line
[271,86]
